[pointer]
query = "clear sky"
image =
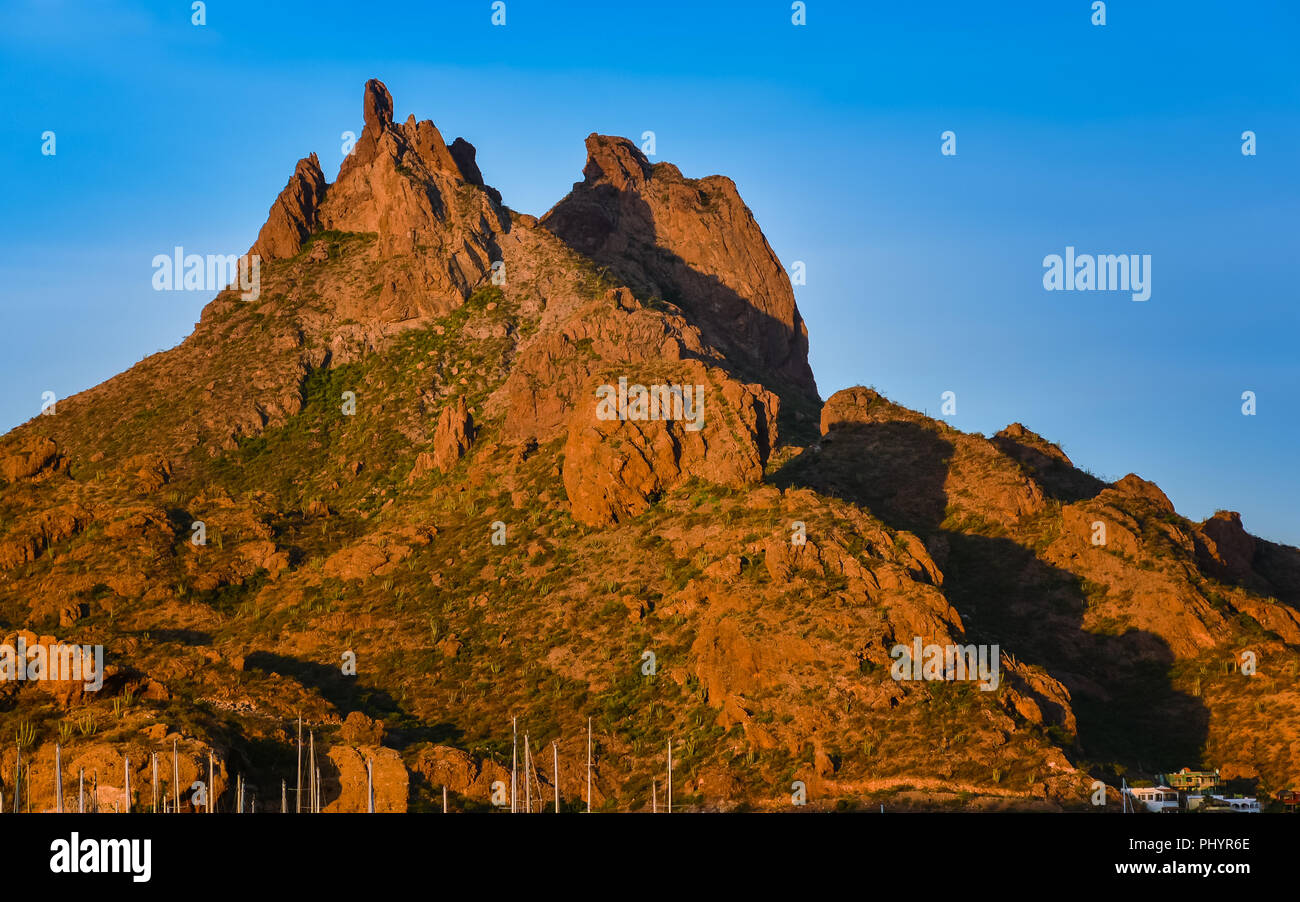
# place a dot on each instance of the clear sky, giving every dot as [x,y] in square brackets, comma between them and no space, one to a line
[924,271]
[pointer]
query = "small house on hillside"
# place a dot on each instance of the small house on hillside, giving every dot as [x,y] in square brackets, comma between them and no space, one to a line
[1188,780]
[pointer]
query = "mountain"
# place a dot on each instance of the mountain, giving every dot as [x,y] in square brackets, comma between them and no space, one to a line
[423,448]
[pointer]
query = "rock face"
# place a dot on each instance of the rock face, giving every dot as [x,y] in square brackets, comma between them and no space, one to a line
[693,243]
[402,183]
[604,336]
[1230,549]
[347,784]
[615,468]
[293,215]
[31,536]
[464,153]
[853,408]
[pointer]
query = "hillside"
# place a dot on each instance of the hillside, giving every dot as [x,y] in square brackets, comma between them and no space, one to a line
[489,547]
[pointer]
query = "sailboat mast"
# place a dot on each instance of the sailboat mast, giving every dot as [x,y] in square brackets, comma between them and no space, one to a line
[670,776]
[297,793]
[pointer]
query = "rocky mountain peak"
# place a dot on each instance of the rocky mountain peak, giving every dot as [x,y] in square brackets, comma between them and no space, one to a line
[615,161]
[436,227]
[695,244]
[377,105]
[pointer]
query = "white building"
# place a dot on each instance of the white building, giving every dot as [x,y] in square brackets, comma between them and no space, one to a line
[1156,798]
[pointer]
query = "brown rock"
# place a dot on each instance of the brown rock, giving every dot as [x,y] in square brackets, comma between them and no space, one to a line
[293,215]
[377,105]
[1231,548]
[439,230]
[1029,447]
[105,760]
[26,540]
[855,407]
[463,153]
[347,784]
[692,241]
[445,766]
[453,436]
[355,562]
[614,469]
[32,457]
[424,463]
[358,729]
[1138,487]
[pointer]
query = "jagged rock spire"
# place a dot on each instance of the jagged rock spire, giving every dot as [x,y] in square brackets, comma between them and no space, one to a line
[377,106]
[293,215]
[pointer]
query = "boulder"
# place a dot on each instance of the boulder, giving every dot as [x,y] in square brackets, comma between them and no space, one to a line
[453,436]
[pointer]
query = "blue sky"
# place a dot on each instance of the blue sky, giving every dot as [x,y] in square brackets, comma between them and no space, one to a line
[924,272]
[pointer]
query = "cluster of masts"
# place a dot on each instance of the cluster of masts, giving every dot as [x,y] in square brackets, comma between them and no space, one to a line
[531,777]
[205,800]
[89,802]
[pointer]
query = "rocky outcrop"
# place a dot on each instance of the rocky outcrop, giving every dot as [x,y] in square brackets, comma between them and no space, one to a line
[360,730]
[293,215]
[60,668]
[1030,448]
[347,785]
[454,435]
[463,775]
[402,183]
[376,556]
[25,541]
[464,153]
[553,374]
[32,457]
[851,409]
[1139,489]
[616,468]
[731,665]
[917,471]
[1227,549]
[693,243]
